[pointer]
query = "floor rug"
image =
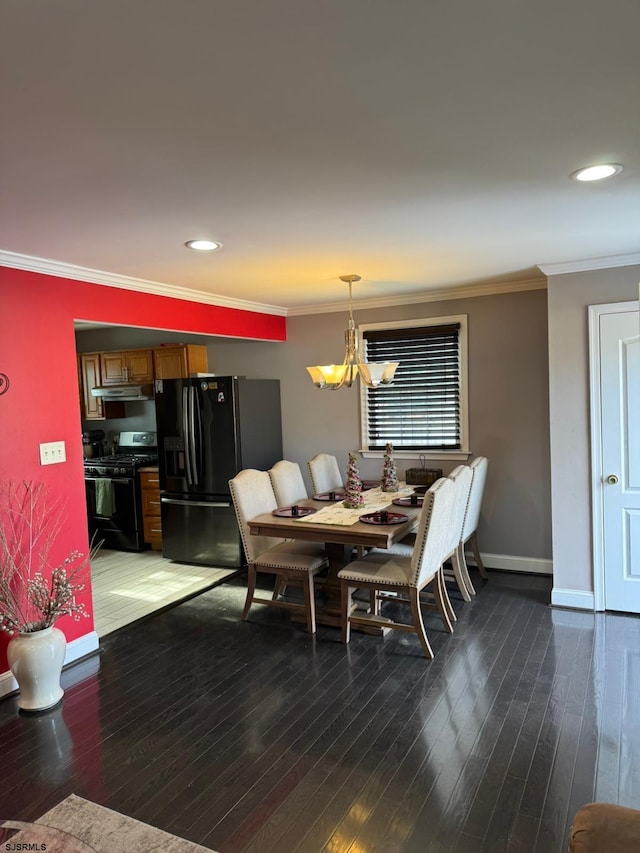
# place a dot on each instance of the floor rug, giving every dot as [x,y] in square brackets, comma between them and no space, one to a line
[104,831]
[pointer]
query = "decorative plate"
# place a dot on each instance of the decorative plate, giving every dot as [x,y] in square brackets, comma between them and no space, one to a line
[287,511]
[384,517]
[408,502]
[325,496]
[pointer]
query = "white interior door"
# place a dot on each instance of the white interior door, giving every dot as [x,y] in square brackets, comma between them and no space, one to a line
[620,458]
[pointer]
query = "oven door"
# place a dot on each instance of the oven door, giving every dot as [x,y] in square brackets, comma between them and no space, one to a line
[114,512]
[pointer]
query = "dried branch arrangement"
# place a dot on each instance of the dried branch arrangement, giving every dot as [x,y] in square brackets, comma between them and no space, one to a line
[35,593]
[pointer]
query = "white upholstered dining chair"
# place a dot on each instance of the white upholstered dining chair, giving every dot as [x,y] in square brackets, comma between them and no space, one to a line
[253,495]
[479,468]
[461,477]
[288,488]
[288,483]
[325,473]
[406,576]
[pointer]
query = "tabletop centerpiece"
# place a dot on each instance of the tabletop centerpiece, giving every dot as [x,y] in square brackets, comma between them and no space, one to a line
[35,591]
[389,471]
[353,487]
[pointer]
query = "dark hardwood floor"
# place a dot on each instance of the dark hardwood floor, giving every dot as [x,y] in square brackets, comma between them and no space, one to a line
[257,737]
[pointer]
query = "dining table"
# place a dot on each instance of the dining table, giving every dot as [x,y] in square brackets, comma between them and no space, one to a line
[342,530]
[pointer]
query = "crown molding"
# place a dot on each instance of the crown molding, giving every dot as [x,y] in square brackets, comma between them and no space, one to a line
[107,279]
[587,264]
[438,295]
[60,269]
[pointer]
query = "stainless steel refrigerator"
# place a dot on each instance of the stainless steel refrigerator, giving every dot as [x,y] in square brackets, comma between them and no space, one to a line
[209,428]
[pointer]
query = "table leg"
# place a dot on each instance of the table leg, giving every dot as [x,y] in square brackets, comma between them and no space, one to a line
[329,608]
[338,556]
[330,613]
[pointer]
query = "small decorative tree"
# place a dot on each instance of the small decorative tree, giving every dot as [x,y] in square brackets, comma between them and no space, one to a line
[353,487]
[389,472]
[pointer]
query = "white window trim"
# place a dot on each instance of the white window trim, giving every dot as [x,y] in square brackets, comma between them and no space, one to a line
[428,455]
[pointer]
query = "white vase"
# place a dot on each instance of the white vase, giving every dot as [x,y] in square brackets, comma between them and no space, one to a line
[35,660]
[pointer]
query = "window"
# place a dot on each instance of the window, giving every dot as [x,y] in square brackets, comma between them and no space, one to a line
[424,411]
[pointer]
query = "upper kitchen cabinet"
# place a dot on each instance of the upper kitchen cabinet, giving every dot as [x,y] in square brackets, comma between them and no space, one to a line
[179,362]
[90,378]
[94,408]
[128,366]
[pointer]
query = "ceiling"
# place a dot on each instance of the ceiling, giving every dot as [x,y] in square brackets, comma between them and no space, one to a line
[423,144]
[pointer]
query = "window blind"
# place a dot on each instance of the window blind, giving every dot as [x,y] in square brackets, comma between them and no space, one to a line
[421,409]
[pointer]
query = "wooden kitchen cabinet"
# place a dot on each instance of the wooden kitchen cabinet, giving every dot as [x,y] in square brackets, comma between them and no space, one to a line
[94,408]
[126,367]
[179,362]
[150,490]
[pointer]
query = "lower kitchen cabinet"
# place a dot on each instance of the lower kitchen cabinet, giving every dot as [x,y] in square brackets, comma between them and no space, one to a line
[150,491]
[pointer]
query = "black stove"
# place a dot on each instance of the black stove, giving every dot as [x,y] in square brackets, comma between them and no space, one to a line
[120,465]
[114,506]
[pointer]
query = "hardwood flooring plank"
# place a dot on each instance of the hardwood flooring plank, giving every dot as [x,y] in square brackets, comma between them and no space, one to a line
[544,754]
[505,812]
[607,780]
[630,735]
[523,834]
[555,812]
[522,756]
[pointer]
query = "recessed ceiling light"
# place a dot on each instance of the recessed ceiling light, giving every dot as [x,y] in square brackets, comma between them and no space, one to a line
[203,245]
[596,173]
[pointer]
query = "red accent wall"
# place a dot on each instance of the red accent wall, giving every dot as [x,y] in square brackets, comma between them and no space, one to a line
[37,353]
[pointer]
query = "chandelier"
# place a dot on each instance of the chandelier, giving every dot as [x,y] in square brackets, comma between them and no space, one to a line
[333,376]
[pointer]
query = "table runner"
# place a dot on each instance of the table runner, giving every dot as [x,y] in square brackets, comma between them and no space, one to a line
[374,500]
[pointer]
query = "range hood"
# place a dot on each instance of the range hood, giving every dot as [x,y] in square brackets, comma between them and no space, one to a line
[123,392]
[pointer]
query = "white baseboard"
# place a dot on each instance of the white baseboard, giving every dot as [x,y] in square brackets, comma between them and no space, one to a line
[574,598]
[507,563]
[76,649]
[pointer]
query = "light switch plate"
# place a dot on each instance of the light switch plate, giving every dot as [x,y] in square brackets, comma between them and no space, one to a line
[52,452]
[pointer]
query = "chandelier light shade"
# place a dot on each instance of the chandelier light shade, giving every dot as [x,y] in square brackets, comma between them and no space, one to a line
[330,377]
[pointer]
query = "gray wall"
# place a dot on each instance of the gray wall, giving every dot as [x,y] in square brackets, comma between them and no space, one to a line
[509,415]
[569,295]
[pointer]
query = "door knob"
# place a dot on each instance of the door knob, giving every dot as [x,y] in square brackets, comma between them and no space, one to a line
[612,479]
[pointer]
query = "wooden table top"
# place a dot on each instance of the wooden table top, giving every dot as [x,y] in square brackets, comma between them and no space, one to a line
[368,535]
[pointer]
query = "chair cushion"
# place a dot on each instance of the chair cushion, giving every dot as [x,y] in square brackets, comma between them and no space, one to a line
[394,571]
[403,548]
[293,556]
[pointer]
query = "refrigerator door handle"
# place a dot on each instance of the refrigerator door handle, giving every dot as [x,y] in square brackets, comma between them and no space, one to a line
[185,432]
[197,439]
[192,436]
[194,503]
